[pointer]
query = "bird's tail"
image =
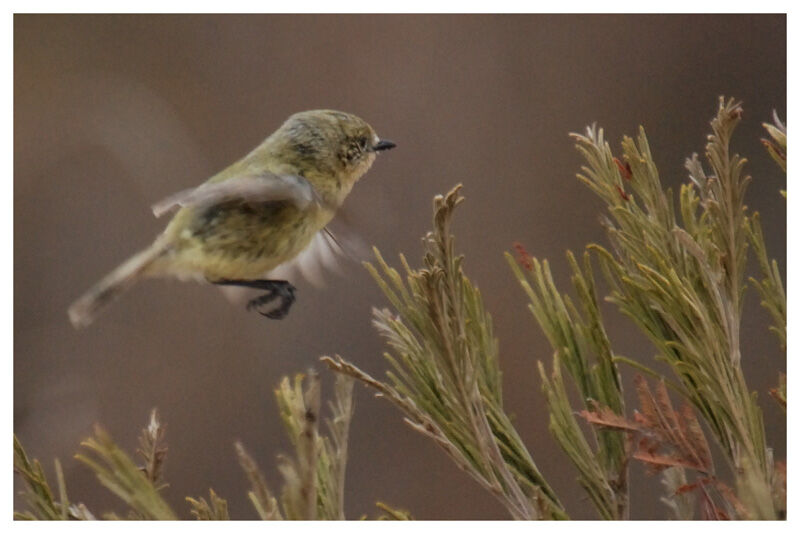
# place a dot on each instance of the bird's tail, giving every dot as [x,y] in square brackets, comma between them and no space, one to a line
[84,310]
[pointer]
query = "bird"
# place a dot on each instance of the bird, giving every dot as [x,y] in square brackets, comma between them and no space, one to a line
[255,217]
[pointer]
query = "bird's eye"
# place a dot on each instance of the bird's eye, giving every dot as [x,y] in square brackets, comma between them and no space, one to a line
[357,148]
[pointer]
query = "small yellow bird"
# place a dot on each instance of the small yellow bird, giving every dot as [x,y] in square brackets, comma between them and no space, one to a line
[258,214]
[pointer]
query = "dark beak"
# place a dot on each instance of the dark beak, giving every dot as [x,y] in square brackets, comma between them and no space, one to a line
[383,144]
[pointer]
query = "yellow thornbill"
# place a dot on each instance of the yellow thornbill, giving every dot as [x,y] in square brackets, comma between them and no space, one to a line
[254,216]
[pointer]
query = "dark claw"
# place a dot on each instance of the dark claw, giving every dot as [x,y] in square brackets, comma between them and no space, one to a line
[279,289]
[274,288]
[261,300]
[280,312]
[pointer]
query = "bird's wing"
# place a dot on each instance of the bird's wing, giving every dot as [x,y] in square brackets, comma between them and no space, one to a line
[325,253]
[255,188]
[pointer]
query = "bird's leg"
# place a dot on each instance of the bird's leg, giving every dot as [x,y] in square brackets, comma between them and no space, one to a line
[274,289]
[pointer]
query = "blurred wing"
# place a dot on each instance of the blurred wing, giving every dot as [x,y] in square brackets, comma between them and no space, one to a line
[326,252]
[260,188]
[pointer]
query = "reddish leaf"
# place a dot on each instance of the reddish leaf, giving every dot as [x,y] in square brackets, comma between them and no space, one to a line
[776,394]
[697,440]
[523,258]
[624,170]
[668,418]
[605,416]
[660,427]
[647,405]
[662,461]
[686,488]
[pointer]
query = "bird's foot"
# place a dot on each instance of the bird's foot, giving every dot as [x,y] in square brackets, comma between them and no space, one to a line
[282,290]
[276,289]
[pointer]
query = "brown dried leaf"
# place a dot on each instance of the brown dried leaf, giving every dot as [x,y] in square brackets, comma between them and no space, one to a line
[606,417]
[680,430]
[668,417]
[660,426]
[647,405]
[695,437]
[779,392]
[686,488]
[659,461]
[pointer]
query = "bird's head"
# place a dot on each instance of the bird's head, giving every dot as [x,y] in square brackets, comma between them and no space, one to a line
[330,144]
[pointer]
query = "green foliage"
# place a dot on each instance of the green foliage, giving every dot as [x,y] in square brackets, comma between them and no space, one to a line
[770,287]
[215,509]
[39,495]
[776,146]
[260,496]
[314,478]
[300,413]
[580,345]
[391,514]
[445,374]
[682,284]
[678,275]
[118,473]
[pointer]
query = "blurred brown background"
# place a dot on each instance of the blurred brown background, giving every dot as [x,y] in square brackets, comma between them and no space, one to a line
[115,112]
